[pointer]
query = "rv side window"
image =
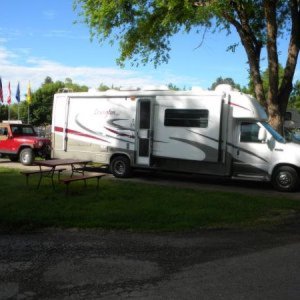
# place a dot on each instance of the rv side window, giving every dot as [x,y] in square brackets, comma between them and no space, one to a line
[249,133]
[186,118]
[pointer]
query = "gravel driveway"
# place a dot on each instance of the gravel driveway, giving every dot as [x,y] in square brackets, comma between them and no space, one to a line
[95,264]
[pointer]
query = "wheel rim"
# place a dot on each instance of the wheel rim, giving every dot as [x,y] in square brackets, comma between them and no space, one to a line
[284,179]
[26,158]
[119,168]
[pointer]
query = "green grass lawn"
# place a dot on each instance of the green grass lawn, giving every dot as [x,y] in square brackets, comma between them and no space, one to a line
[131,206]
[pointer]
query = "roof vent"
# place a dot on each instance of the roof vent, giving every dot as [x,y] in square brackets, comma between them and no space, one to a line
[224,88]
[155,88]
[129,88]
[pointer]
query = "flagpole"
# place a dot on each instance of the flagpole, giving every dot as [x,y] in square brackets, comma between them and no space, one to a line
[28,98]
[28,114]
[18,98]
[9,100]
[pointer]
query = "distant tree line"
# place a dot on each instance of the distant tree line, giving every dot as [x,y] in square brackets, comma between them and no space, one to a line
[40,109]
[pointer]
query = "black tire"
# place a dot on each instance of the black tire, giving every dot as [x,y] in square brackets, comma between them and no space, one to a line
[120,167]
[285,179]
[13,158]
[26,156]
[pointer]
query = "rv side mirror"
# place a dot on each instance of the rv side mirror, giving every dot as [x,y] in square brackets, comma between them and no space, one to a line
[262,134]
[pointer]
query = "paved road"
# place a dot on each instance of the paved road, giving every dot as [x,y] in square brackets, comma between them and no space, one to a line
[95,264]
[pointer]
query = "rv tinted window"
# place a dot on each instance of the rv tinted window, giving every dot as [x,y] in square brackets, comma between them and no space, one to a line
[249,132]
[186,117]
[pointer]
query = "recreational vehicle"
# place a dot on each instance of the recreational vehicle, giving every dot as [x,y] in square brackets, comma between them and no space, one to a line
[221,133]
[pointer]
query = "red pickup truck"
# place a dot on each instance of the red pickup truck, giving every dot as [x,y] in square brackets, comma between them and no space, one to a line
[20,143]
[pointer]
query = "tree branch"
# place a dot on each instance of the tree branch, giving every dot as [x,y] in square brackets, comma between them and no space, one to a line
[252,48]
[270,14]
[293,52]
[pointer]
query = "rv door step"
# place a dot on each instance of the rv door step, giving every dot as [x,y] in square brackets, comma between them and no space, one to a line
[249,177]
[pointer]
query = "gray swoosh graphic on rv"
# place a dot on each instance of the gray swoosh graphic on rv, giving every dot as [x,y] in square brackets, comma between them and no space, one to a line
[99,133]
[210,152]
[246,151]
[87,129]
[207,137]
[111,122]
[125,141]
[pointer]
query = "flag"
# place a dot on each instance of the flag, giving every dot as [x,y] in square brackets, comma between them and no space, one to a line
[9,94]
[18,92]
[28,97]
[1,91]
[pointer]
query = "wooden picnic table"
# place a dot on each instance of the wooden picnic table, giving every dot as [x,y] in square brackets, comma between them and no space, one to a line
[77,166]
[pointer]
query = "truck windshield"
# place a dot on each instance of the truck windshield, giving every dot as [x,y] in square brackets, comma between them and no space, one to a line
[274,133]
[23,130]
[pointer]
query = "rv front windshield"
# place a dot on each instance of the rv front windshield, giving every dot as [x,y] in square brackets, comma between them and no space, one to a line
[274,133]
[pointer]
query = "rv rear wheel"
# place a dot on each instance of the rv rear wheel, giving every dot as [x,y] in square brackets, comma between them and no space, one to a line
[285,179]
[120,167]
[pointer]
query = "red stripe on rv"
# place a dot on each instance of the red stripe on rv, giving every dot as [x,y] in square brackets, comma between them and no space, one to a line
[60,129]
[234,104]
[119,133]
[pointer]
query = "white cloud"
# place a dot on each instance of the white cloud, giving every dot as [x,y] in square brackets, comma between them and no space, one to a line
[49,14]
[37,69]
[6,56]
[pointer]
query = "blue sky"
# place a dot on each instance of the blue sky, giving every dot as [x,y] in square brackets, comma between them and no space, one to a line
[39,39]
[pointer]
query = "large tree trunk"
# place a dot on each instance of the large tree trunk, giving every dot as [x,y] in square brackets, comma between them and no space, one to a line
[286,86]
[252,47]
[277,98]
[273,108]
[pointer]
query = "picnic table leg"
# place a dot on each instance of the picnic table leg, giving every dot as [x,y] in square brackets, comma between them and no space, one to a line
[98,178]
[67,188]
[27,175]
[52,175]
[40,179]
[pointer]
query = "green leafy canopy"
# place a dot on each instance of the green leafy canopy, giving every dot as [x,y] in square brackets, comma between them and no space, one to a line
[143,27]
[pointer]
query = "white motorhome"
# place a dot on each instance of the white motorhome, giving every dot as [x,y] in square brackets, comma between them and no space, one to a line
[221,133]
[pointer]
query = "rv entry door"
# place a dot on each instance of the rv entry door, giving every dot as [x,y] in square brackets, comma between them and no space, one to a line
[143,131]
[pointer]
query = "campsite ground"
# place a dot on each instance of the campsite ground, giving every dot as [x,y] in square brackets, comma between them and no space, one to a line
[207,264]
[191,181]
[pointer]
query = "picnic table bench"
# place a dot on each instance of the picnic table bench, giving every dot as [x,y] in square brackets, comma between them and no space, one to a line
[83,177]
[47,172]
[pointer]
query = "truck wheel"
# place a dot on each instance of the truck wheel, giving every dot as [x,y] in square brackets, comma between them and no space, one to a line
[120,167]
[26,156]
[286,179]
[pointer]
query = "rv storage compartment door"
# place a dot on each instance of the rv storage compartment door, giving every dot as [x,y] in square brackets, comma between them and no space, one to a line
[144,123]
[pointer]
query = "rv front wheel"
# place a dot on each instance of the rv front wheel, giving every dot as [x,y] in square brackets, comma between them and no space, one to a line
[286,179]
[120,167]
